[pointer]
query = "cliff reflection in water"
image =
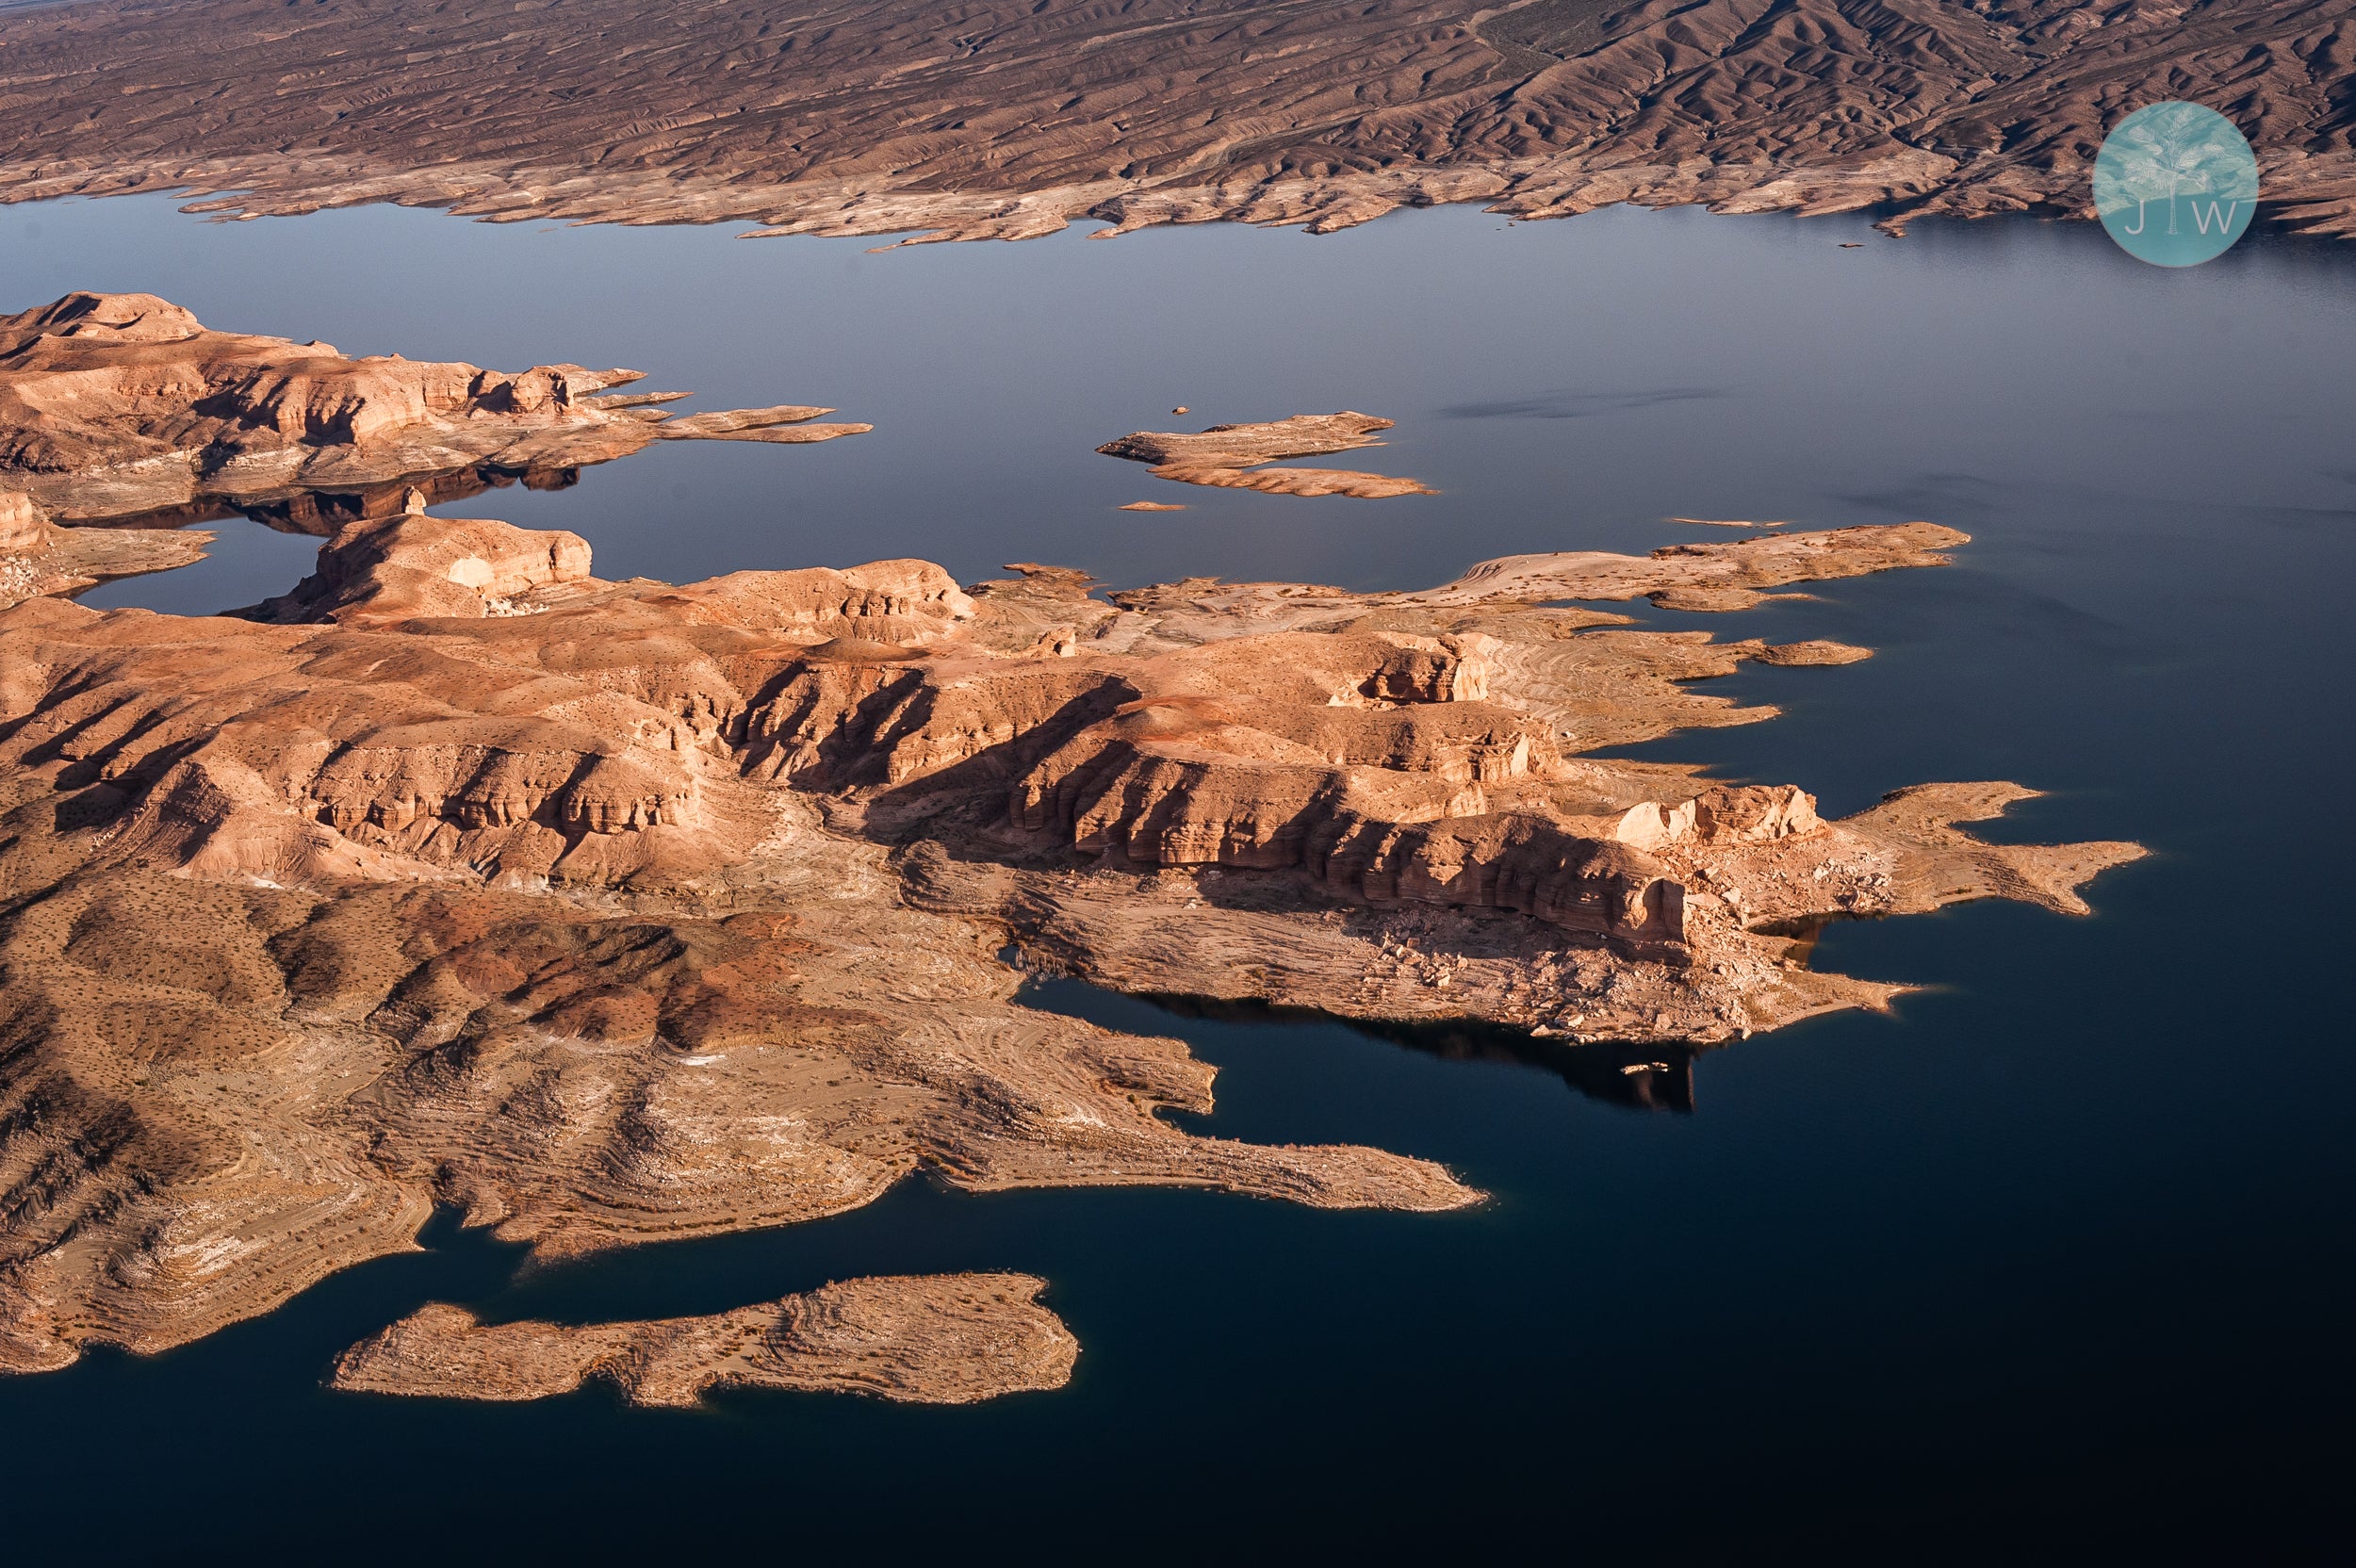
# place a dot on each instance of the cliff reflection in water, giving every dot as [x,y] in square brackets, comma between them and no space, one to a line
[318,513]
[1647,1077]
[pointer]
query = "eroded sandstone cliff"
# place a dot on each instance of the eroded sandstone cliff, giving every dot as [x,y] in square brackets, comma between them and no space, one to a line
[611,913]
[121,405]
[36,557]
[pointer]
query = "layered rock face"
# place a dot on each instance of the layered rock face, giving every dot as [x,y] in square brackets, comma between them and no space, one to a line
[117,406]
[24,528]
[1005,119]
[412,564]
[611,913]
[38,558]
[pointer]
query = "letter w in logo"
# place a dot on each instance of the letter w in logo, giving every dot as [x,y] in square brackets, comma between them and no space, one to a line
[2224,224]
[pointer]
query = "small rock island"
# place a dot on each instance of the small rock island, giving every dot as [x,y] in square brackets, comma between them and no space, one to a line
[1236,457]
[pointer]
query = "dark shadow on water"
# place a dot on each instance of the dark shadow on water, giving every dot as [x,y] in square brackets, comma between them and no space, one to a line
[243,566]
[1649,1077]
[318,513]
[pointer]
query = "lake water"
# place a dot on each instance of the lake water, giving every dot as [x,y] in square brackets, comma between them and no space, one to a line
[2057,1262]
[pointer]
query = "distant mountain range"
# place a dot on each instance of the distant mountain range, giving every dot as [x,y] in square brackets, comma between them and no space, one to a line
[1009,117]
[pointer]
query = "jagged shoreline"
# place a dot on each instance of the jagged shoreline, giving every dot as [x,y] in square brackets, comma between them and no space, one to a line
[611,912]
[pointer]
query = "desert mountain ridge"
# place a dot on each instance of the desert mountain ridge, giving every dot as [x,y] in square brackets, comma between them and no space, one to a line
[1007,118]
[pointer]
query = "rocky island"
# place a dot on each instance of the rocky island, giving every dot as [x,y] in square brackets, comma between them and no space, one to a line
[941,1339]
[607,912]
[1236,457]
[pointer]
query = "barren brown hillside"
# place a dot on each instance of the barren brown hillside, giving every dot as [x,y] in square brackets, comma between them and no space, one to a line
[609,912]
[1009,118]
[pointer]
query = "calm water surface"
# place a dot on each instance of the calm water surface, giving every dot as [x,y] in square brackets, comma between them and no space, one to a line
[2054,1263]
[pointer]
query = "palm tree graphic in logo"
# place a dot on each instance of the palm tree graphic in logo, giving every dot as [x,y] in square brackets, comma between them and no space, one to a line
[2175,184]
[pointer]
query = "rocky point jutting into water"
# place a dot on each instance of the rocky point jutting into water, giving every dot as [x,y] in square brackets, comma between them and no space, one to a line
[124,405]
[38,556]
[611,912]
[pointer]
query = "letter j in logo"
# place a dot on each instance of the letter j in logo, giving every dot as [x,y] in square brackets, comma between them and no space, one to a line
[2176,184]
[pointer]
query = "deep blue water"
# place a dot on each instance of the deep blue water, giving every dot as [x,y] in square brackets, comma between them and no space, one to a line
[2055,1264]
